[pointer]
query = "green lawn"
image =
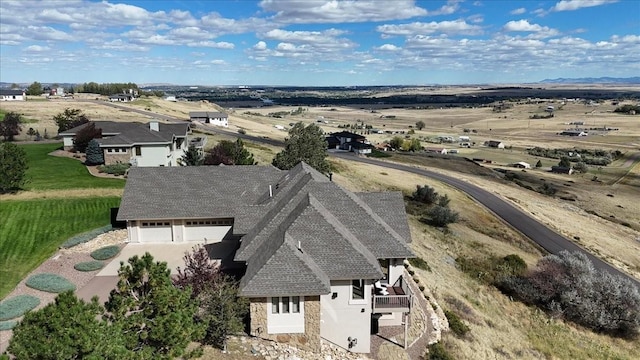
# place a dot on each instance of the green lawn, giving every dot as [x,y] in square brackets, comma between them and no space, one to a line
[32,230]
[58,173]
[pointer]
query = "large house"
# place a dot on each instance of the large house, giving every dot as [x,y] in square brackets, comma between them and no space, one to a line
[346,140]
[152,144]
[210,117]
[12,95]
[321,262]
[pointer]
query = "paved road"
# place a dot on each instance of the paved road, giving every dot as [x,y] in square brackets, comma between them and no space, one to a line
[546,238]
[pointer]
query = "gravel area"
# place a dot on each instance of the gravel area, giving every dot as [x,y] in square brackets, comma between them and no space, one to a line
[61,263]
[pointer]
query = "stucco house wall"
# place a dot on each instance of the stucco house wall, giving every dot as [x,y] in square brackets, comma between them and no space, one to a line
[307,340]
[344,318]
[152,155]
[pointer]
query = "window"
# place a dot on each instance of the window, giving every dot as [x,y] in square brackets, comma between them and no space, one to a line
[275,305]
[295,304]
[285,304]
[138,151]
[357,289]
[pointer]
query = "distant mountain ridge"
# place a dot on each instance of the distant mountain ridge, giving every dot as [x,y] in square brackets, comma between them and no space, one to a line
[591,80]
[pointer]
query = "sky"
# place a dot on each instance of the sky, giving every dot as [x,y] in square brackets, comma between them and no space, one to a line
[317,42]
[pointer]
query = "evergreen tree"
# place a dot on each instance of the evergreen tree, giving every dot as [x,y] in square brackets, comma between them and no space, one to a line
[157,318]
[229,153]
[564,162]
[68,328]
[539,164]
[95,155]
[193,157]
[35,89]
[420,125]
[306,144]
[13,167]
[10,126]
[69,119]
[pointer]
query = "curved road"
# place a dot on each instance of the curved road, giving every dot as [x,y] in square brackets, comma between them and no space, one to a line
[546,238]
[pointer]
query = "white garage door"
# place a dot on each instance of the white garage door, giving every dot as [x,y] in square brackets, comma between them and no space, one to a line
[213,230]
[156,232]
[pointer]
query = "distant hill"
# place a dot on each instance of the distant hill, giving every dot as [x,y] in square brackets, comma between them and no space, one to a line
[589,80]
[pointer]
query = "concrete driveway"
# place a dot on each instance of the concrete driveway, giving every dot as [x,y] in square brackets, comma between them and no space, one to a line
[171,253]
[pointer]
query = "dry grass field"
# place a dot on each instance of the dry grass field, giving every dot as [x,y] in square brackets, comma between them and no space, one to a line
[500,328]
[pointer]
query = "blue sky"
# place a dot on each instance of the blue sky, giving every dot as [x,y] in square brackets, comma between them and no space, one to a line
[317,42]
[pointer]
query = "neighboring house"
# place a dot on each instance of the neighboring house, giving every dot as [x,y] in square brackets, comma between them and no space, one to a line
[522,165]
[494,144]
[210,117]
[442,151]
[152,144]
[313,250]
[562,170]
[574,133]
[464,139]
[121,97]
[345,140]
[12,95]
[361,148]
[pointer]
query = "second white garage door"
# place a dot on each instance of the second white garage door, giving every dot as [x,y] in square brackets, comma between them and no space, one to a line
[213,230]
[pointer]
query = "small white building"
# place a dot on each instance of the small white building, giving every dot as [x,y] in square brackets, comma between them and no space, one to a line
[12,95]
[522,165]
[210,117]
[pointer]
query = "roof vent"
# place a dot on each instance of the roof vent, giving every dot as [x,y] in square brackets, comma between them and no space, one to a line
[270,191]
[300,246]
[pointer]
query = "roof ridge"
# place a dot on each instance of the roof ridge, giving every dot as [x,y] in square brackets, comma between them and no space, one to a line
[376,217]
[344,231]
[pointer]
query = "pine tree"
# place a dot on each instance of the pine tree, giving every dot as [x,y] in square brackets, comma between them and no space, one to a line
[157,318]
[13,167]
[306,144]
[193,157]
[95,155]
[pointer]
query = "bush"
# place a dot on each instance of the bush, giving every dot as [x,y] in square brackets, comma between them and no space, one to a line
[567,285]
[419,263]
[379,154]
[455,324]
[493,270]
[50,283]
[117,169]
[106,252]
[84,237]
[442,216]
[7,325]
[17,306]
[437,352]
[242,131]
[425,194]
[89,265]
[581,167]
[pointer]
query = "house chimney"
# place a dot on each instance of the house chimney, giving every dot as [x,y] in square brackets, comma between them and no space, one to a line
[154,125]
[270,191]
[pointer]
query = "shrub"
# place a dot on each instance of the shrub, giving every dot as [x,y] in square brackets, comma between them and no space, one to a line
[84,237]
[568,285]
[106,252]
[547,189]
[379,154]
[425,194]
[50,283]
[492,270]
[117,169]
[455,324]
[442,216]
[17,306]
[7,325]
[437,352]
[419,263]
[89,265]
[242,131]
[581,167]
[421,287]
[411,272]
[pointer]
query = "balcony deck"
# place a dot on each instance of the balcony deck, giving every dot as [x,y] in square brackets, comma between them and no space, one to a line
[398,300]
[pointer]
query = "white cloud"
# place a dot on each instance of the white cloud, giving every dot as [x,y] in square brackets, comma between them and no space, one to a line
[339,11]
[388,47]
[36,48]
[456,27]
[260,45]
[518,11]
[525,26]
[570,5]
